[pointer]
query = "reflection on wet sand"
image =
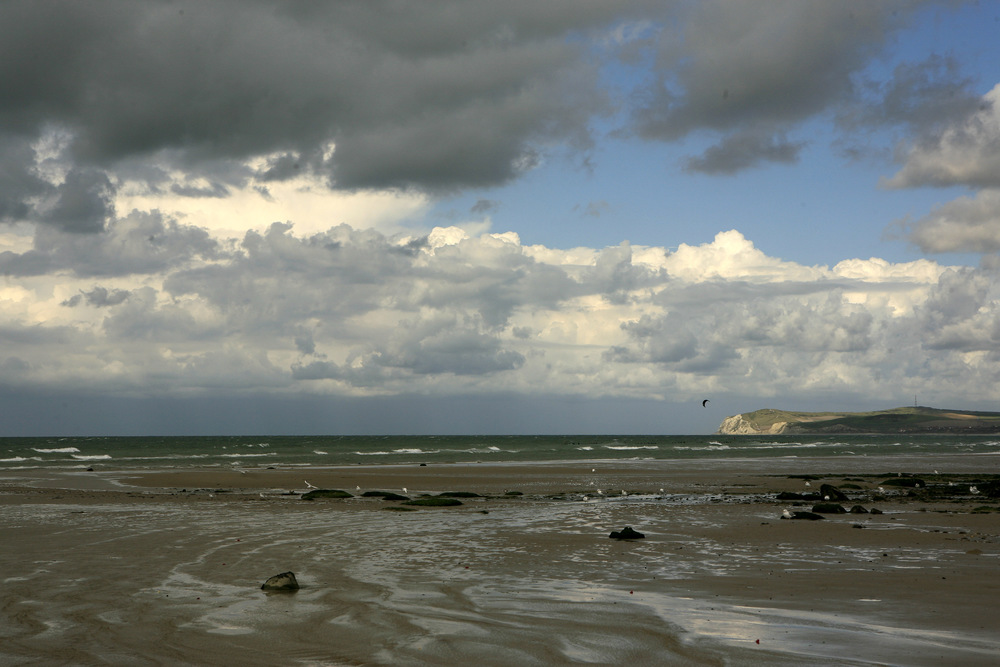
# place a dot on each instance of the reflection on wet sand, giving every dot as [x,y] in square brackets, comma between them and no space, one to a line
[126,577]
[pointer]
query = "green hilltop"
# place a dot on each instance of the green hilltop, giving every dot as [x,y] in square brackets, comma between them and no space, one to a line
[916,419]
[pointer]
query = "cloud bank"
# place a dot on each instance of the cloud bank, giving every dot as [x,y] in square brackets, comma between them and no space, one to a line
[352,313]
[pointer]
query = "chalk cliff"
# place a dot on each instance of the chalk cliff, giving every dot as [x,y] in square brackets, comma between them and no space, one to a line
[917,419]
[737,425]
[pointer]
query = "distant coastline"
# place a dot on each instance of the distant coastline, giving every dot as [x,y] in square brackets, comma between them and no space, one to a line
[916,419]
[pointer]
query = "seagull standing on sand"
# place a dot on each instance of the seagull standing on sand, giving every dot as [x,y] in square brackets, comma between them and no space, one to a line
[785,514]
[404,490]
[310,486]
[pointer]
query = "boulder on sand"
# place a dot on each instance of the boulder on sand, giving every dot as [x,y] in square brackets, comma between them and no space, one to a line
[829,508]
[281,582]
[830,492]
[326,493]
[626,533]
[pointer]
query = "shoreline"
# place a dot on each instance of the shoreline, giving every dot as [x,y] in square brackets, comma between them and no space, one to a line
[531,579]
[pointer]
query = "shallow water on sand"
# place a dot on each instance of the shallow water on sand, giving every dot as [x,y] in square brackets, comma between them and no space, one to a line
[522,582]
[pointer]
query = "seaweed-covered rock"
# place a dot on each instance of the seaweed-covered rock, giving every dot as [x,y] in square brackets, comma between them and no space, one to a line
[804,516]
[459,494]
[858,509]
[626,533]
[434,501]
[829,508]
[385,495]
[907,482]
[281,582]
[326,493]
[990,489]
[830,492]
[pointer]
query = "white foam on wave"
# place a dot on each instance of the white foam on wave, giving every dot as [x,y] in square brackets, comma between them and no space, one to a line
[399,451]
[484,450]
[630,447]
[248,456]
[716,447]
[320,452]
[91,457]
[57,450]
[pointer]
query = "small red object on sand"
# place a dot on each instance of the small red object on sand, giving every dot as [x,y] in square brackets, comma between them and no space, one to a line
[758,641]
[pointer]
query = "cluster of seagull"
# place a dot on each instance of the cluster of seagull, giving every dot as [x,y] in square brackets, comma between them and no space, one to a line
[972,489]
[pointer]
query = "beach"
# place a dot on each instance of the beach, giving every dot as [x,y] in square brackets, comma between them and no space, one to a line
[154,567]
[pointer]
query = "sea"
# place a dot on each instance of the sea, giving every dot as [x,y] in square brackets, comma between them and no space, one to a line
[178,452]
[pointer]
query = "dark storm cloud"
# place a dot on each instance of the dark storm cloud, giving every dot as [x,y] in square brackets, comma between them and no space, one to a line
[757,69]
[741,151]
[83,202]
[18,183]
[923,96]
[98,297]
[432,96]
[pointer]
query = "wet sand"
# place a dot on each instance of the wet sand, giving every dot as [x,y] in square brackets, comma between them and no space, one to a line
[122,568]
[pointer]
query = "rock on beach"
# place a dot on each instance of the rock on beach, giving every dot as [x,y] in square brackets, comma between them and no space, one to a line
[626,533]
[285,581]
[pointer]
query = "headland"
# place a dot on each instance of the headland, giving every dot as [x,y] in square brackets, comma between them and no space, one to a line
[916,419]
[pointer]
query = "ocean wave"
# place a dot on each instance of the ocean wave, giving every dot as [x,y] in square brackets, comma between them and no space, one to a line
[91,457]
[788,445]
[171,457]
[247,456]
[58,450]
[18,459]
[397,452]
[630,447]
[320,452]
[586,448]
[705,448]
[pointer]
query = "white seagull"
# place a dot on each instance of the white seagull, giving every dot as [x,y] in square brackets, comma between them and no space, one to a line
[973,490]
[785,514]
[311,486]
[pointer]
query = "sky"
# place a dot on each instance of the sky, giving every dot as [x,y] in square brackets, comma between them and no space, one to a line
[465,216]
